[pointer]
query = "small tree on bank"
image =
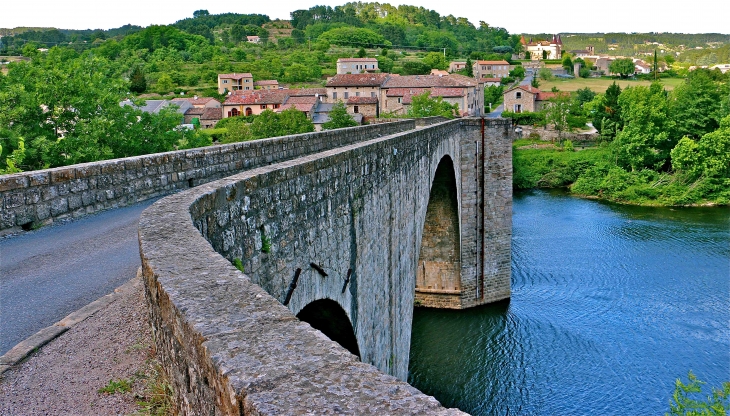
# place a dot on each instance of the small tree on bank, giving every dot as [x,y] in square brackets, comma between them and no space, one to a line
[425,106]
[339,118]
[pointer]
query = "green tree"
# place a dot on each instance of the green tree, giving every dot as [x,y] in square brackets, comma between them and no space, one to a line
[709,157]
[518,72]
[584,95]
[435,60]
[164,84]
[137,80]
[607,116]
[557,112]
[361,53]
[623,67]
[423,105]
[339,118]
[271,124]
[469,68]
[535,83]
[545,74]
[568,64]
[645,141]
[200,13]
[687,399]
[697,104]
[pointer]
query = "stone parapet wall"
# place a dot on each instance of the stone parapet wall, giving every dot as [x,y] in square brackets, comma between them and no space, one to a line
[552,135]
[228,343]
[40,197]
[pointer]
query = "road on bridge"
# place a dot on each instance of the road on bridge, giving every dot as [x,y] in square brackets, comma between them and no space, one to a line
[48,273]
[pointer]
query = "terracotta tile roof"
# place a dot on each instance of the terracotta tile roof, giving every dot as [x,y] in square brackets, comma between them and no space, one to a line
[305,92]
[235,76]
[196,101]
[357,60]
[301,100]
[447,92]
[195,111]
[527,88]
[427,81]
[266,82]
[544,96]
[357,80]
[362,100]
[492,62]
[257,97]
[212,114]
[298,106]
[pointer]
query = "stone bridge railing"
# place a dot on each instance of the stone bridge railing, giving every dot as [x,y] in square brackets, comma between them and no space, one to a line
[30,199]
[229,346]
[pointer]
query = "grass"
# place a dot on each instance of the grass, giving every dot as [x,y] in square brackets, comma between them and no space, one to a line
[117,386]
[158,394]
[600,84]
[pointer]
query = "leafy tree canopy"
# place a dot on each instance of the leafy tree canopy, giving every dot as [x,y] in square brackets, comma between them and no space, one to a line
[425,106]
[339,118]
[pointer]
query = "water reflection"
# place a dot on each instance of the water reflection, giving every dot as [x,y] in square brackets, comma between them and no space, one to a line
[610,305]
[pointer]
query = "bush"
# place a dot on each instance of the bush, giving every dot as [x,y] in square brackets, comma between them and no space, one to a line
[526,118]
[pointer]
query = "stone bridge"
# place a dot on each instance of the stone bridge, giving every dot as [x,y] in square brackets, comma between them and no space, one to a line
[348,229]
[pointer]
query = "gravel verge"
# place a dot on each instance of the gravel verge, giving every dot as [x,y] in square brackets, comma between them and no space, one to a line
[65,375]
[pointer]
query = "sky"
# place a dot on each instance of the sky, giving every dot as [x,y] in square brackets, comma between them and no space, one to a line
[526,16]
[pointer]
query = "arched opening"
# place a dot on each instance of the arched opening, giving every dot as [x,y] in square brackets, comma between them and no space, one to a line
[438,279]
[249,111]
[328,316]
[233,113]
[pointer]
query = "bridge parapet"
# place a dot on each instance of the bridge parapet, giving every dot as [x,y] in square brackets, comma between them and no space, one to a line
[29,199]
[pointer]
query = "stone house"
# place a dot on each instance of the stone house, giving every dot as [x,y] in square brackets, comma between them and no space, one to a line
[490,82]
[200,102]
[356,65]
[491,69]
[457,66]
[343,86]
[525,98]
[266,84]
[255,102]
[234,82]
[367,106]
[468,93]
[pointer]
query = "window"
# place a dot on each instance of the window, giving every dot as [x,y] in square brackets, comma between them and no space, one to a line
[347,95]
[355,109]
[400,100]
[263,106]
[248,80]
[276,105]
[249,111]
[334,96]
[233,112]
[518,95]
[372,94]
[225,81]
[357,94]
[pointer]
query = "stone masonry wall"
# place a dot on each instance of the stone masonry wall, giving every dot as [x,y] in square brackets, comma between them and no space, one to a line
[230,345]
[40,197]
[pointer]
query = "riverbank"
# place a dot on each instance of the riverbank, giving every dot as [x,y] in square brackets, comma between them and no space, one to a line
[590,172]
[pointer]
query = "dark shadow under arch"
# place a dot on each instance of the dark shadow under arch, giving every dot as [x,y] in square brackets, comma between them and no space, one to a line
[328,317]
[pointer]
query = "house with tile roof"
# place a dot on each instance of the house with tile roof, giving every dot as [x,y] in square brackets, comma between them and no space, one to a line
[255,102]
[491,69]
[468,93]
[356,65]
[235,82]
[200,102]
[266,84]
[456,66]
[525,98]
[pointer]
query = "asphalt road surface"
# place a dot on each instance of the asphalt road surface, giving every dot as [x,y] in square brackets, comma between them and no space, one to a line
[48,273]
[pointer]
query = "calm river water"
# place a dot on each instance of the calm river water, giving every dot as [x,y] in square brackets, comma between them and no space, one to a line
[610,304]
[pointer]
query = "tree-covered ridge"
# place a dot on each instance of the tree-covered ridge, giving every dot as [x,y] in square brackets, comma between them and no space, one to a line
[406,26]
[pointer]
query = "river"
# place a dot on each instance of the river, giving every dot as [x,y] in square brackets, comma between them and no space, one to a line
[610,305]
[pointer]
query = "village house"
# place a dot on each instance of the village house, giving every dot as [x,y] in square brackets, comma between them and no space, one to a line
[490,82]
[582,53]
[468,93]
[722,67]
[255,102]
[367,106]
[234,82]
[253,39]
[525,98]
[491,69]
[439,72]
[356,65]
[552,49]
[455,66]
[200,102]
[321,115]
[342,86]
[641,67]
[266,84]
